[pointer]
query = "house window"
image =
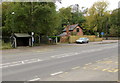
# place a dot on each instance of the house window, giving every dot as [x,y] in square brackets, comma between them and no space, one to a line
[78,30]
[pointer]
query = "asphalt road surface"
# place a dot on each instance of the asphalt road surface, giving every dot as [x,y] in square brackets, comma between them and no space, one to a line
[83,62]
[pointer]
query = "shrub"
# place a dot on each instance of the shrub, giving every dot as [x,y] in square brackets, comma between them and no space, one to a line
[5,45]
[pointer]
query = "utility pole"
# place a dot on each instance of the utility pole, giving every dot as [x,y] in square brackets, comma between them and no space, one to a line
[77,7]
[107,28]
[13,13]
[14,43]
[59,1]
[31,15]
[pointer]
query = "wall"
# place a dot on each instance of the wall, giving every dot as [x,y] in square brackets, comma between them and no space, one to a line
[64,39]
[92,38]
[80,31]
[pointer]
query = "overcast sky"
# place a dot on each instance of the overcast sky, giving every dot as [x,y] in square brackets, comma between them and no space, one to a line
[113,4]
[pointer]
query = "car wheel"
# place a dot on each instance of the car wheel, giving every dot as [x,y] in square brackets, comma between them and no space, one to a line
[77,42]
[81,42]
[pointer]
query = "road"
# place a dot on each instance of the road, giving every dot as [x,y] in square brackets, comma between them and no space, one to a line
[92,62]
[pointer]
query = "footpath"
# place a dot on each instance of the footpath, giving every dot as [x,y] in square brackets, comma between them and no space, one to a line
[105,42]
[48,47]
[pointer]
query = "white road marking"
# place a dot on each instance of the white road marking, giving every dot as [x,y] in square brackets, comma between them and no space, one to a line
[40,60]
[35,79]
[52,56]
[77,53]
[19,63]
[55,56]
[22,62]
[88,64]
[56,73]
[11,62]
[12,65]
[76,67]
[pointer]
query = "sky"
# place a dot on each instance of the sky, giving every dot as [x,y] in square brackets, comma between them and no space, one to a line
[113,4]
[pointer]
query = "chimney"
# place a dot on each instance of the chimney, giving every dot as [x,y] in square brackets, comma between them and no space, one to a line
[67,30]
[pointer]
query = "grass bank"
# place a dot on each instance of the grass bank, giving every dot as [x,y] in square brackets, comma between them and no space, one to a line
[5,45]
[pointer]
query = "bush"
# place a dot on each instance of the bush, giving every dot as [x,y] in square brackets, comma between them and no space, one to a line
[5,45]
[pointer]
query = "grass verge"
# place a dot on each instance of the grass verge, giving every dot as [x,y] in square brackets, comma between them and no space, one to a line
[5,45]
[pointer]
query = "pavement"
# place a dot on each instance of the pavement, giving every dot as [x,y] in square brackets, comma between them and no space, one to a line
[100,42]
[64,62]
[105,41]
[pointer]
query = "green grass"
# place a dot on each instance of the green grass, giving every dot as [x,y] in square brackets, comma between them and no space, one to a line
[5,45]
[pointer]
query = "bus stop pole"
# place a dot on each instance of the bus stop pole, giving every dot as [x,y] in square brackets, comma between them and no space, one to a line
[32,38]
[15,43]
[56,40]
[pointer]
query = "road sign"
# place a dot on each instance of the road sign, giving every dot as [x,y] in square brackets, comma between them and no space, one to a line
[102,33]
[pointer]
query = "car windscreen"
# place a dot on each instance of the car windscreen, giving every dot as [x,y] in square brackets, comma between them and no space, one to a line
[81,38]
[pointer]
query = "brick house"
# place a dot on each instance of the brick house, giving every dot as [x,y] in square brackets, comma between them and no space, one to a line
[72,30]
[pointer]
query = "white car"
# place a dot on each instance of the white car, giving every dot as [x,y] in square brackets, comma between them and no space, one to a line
[82,40]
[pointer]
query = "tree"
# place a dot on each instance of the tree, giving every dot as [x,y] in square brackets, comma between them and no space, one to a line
[65,15]
[35,17]
[115,23]
[4,7]
[20,20]
[114,30]
[77,18]
[46,18]
[70,17]
[97,17]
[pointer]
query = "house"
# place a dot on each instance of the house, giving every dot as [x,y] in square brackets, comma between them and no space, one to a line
[75,30]
[72,30]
